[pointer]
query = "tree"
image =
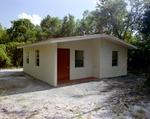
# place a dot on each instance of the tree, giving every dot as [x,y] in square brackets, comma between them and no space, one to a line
[112,17]
[16,55]
[68,26]
[87,25]
[4,59]
[51,26]
[39,33]
[4,38]
[140,59]
[118,17]
[21,30]
[145,26]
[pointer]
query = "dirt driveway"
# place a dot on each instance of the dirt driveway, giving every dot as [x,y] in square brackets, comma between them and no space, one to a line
[23,96]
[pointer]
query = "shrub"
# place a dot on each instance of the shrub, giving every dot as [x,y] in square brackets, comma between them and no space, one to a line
[4,59]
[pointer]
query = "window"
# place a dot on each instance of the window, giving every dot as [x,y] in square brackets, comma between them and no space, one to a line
[27,57]
[37,57]
[79,58]
[114,58]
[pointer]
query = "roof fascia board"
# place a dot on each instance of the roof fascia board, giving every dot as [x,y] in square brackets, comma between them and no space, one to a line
[60,40]
[130,46]
[34,44]
[76,39]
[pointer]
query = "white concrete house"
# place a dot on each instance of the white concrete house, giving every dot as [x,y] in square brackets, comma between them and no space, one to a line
[69,58]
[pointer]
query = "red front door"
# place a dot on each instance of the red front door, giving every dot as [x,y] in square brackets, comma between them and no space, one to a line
[63,64]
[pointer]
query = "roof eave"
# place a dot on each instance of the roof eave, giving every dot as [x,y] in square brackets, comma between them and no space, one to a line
[60,40]
[121,42]
[128,45]
[76,39]
[34,44]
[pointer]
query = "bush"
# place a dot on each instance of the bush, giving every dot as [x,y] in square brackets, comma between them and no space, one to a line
[10,55]
[4,59]
[16,55]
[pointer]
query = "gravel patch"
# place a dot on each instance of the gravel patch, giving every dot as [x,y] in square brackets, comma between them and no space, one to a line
[22,96]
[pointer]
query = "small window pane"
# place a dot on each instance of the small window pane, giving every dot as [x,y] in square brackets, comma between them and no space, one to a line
[79,54]
[79,58]
[79,63]
[37,62]
[37,53]
[37,57]
[114,58]
[114,54]
[27,57]
[27,60]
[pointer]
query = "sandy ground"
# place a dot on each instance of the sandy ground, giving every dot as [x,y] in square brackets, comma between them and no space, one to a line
[22,96]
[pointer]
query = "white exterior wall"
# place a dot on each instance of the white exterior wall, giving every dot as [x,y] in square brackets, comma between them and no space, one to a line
[85,45]
[47,69]
[106,68]
[96,58]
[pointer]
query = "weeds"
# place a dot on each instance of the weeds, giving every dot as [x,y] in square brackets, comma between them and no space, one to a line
[38,112]
[137,117]
[24,106]
[141,111]
[5,98]
[80,117]
[77,112]
[96,109]
[23,98]
[1,79]
[2,90]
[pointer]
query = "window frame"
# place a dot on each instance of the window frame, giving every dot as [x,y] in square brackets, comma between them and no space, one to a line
[37,57]
[115,63]
[27,57]
[82,58]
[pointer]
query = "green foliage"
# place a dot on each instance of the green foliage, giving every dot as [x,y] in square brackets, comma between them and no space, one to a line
[51,27]
[24,106]
[4,59]
[145,27]
[21,30]
[10,55]
[39,33]
[86,25]
[140,59]
[113,17]
[16,55]
[68,26]
[4,38]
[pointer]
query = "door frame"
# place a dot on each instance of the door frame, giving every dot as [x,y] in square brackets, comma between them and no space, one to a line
[68,62]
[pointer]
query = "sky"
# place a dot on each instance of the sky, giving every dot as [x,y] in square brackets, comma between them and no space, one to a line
[36,10]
